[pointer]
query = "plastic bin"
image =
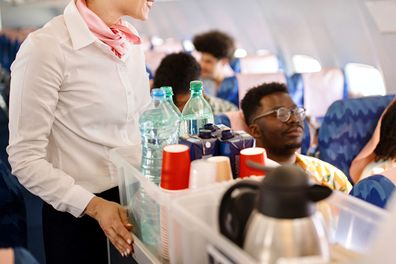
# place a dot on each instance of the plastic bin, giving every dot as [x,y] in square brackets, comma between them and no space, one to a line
[148,205]
[194,231]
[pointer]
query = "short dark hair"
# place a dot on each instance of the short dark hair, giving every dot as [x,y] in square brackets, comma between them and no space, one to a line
[251,102]
[386,147]
[177,70]
[217,43]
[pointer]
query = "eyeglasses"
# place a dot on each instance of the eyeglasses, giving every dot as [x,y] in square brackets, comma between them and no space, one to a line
[283,114]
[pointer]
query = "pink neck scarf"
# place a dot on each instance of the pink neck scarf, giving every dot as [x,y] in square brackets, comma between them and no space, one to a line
[116,36]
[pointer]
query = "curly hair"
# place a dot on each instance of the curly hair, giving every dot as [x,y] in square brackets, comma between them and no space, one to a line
[217,43]
[251,102]
[386,148]
[177,70]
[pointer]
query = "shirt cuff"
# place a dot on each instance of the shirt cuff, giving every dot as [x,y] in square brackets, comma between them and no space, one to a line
[76,200]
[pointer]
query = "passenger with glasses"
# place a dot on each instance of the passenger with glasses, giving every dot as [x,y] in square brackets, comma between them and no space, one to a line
[277,124]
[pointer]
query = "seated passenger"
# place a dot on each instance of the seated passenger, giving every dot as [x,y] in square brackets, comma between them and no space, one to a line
[385,151]
[217,50]
[178,70]
[277,124]
[367,155]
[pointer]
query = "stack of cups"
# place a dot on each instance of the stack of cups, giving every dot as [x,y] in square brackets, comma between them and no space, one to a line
[205,172]
[257,155]
[174,177]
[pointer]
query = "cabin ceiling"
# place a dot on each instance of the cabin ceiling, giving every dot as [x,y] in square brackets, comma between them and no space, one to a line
[335,32]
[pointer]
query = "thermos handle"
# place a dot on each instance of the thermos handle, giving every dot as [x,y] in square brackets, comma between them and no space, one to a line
[233,219]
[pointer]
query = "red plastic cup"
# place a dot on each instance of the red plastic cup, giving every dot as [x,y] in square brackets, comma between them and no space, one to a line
[257,155]
[175,172]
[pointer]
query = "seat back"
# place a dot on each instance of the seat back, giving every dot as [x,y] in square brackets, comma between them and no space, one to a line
[375,189]
[246,81]
[267,63]
[316,91]
[347,127]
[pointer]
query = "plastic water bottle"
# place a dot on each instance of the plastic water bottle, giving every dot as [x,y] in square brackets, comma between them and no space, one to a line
[157,128]
[197,111]
[169,99]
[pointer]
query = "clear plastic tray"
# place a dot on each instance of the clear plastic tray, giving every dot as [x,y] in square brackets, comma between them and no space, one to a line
[351,224]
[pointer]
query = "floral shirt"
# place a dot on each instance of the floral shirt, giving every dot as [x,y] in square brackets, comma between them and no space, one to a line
[324,173]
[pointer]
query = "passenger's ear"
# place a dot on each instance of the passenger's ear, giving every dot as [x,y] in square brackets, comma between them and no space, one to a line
[254,130]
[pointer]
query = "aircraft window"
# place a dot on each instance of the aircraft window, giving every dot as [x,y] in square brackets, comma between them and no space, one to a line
[364,80]
[188,45]
[304,63]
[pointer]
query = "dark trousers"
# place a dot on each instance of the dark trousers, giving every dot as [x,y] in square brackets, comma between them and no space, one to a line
[71,240]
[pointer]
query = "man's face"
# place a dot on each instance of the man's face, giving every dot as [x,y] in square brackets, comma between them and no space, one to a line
[275,136]
[210,66]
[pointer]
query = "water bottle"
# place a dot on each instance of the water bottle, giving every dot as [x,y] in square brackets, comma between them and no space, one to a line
[157,128]
[169,99]
[197,111]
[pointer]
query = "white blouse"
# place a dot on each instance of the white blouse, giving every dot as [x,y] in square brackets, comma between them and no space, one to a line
[72,100]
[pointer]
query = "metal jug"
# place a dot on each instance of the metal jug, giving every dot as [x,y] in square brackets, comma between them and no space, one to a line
[276,219]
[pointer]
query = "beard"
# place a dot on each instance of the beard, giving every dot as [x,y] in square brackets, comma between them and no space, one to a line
[285,150]
[276,147]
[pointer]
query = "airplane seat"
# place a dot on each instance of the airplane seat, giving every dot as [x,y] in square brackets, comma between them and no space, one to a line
[346,128]
[229,90]
[376,189]
[236,121]
[316,91]
[246,81]
[266,63]
[295,86]
[235,65]
[222,119]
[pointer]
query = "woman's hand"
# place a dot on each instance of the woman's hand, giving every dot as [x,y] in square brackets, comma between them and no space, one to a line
[113,220]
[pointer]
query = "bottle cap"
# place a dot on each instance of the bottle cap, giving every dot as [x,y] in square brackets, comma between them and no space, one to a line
[168,90]
[226,134]
[210,127]
[156,92]
[196,86]
[205,133]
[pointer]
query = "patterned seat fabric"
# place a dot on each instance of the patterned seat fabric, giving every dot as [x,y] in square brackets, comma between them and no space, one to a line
[375,189]
[346,128]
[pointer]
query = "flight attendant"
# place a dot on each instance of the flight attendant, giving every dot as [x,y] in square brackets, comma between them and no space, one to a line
[78,87]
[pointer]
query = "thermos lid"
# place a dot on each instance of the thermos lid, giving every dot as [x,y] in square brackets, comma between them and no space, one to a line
[205,133]
[286,193]
[226,134]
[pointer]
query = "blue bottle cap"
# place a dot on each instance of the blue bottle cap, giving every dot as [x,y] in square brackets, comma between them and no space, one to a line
[157,92]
